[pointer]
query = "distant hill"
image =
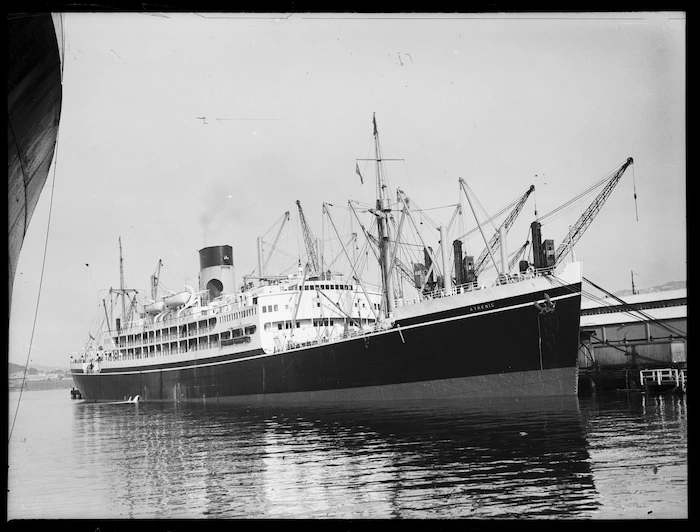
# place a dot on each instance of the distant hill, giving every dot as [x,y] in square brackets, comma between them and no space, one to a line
[673,285]
[32,370]
[16,368]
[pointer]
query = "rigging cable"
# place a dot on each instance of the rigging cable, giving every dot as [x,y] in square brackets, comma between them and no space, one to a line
[627,307]
[490,219]
[581,195]
[41,282]
[634,187]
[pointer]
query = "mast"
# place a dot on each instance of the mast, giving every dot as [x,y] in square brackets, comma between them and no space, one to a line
[109,328]
[121,278]
[261,274]
[383,211]
[504,250]
[446,275]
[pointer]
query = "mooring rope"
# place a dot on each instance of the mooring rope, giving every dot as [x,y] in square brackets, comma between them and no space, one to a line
[41,282]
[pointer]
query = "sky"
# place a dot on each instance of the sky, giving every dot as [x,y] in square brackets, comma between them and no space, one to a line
[181,131]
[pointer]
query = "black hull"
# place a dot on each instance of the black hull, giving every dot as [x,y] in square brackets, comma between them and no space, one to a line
[514,350]
[34,96]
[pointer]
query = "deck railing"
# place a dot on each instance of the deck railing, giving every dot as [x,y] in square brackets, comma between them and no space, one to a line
[471,287]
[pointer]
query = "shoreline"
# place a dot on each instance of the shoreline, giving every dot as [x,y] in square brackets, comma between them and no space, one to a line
[31,385]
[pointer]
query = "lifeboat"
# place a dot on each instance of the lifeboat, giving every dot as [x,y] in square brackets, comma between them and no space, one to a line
[177,300]
[154,308]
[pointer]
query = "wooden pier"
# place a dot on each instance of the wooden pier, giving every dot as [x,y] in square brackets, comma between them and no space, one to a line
[662,380]
[648,380]
[639,344]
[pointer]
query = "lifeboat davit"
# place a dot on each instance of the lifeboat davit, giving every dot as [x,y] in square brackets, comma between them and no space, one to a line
[154,308]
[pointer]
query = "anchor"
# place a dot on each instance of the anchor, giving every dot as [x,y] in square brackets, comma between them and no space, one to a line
[547,307]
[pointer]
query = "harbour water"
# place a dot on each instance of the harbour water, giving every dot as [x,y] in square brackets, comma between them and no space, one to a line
[613,456]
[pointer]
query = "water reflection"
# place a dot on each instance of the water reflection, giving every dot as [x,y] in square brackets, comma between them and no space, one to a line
[498,458]
[639,454]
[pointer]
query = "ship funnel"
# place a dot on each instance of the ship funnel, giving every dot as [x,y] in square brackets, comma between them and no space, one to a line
[216,272]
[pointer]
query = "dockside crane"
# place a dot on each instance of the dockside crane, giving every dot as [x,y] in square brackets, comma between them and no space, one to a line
[506,225]
[517,255]
[590,213]
[310,242]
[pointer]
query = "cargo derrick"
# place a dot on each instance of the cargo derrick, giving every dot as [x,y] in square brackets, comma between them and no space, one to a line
[543,253]
[469,272]
[517,255]
[506,225]
[587,217]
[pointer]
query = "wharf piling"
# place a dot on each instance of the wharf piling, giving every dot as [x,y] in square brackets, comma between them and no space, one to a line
[648,380]
[666,379]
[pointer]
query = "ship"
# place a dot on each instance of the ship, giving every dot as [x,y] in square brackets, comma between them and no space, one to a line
[34,98]
[316,335]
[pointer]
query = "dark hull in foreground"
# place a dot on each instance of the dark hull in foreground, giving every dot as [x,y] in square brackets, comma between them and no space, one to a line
[34,96]
[508,348]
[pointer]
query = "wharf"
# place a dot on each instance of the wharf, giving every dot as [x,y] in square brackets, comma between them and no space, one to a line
[648,380]
[637,344]
[663,380]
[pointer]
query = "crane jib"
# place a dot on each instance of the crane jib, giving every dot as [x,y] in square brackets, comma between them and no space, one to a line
[589,214]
